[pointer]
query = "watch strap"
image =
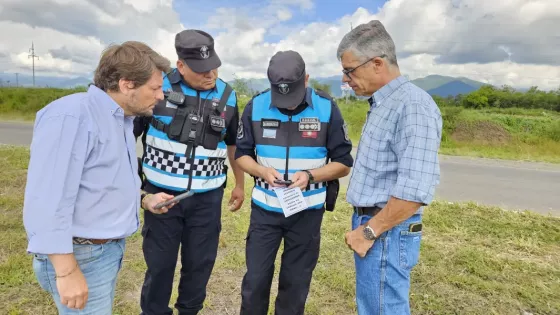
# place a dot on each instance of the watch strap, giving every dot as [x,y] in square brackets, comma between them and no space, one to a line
[311,179]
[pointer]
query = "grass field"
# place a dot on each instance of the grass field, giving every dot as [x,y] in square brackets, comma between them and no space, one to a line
[474,260]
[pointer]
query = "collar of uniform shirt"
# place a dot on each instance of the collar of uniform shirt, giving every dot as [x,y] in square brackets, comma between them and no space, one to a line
[388,89]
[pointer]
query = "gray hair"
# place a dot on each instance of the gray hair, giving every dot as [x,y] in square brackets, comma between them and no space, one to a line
[367,41]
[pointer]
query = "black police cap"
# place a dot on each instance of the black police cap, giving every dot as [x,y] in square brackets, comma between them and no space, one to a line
[196,48]
[286,73]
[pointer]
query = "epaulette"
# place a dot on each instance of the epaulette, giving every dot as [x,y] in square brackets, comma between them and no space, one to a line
[261,92]
[323,94]
[174,76]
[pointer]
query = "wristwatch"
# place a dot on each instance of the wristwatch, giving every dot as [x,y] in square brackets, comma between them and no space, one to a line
[142,196]
[311,179]
[369,233]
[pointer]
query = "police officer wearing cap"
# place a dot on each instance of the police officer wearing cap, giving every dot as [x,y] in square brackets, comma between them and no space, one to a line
[289,132]
[186,143]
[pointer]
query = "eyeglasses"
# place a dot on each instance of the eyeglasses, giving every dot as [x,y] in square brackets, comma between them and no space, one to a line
[347,72]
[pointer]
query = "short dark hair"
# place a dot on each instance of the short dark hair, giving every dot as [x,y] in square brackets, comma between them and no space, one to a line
[132,60]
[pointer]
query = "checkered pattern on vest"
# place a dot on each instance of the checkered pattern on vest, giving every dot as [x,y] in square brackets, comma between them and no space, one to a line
[263,184]
[168,162]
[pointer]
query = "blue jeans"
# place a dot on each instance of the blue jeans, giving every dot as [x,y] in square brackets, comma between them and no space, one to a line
[383,275]
[100,265]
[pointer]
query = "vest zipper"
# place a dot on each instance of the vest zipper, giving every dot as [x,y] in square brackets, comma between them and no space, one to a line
[288,148]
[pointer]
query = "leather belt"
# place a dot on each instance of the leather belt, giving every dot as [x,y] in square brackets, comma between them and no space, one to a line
[371,211]
[91,241]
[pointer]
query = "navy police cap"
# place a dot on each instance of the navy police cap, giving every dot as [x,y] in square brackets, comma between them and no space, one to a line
[196,48]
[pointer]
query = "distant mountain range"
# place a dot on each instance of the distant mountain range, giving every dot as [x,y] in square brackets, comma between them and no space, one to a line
[9,79]
[434,84]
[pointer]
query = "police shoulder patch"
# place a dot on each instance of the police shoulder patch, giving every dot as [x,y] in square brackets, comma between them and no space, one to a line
[345,131]
[240,133]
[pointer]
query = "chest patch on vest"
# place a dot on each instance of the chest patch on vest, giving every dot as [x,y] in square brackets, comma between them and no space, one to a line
[309,124]
[270,123]
[269,133]
[217,122]
[215,102]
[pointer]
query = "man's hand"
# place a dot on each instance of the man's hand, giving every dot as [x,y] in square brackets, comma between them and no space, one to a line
[237,198]
[300,179]
[357,242]
[150,201]
[270,174]
[73,289]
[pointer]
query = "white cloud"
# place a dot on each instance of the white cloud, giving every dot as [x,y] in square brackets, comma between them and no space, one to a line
[284,14]
[303,4]
[510,43]
[69,36]
[499,42]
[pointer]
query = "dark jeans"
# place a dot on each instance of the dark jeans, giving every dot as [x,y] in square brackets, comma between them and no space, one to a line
[301,234]
[195,224]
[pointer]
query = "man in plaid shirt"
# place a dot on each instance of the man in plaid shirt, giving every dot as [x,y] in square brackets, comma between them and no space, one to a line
[395,173]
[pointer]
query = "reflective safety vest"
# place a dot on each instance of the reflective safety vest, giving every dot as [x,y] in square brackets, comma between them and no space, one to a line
[290,144]
[164,162]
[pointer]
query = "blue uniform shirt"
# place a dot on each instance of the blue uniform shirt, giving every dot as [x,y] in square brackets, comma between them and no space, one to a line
[82,177]
[398,150]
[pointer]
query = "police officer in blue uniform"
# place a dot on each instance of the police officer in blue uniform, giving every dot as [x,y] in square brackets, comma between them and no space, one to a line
[291,133]
[186,143]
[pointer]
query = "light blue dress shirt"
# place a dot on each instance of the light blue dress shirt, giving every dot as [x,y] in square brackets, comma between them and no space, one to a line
[398,150]
[82,177]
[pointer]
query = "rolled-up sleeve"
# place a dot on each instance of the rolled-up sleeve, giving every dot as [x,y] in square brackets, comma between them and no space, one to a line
[58,152]
[416,143]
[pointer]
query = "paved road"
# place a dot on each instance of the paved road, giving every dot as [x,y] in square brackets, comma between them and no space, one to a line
[508,184]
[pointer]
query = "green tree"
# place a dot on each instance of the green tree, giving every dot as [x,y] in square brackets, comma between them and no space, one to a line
[475,100]
[241,87]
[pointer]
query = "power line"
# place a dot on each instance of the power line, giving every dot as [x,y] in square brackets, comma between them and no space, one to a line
[33,56]
[17,79]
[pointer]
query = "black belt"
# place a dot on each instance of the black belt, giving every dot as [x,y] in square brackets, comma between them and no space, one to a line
[371,211]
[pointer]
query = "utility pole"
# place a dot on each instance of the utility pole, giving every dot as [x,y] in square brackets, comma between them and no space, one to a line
[17,80]
[33,56]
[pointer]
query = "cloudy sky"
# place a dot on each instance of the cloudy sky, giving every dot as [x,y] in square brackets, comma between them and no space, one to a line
[514,42]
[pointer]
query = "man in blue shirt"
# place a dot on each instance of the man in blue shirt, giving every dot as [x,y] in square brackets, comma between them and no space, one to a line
[186,144]
[289,136]
[396,170]
[83,191]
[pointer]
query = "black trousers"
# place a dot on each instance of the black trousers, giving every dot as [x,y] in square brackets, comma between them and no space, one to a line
[301,234]
[194,224]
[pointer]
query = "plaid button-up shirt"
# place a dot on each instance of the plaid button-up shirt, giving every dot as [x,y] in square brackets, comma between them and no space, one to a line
[398,150]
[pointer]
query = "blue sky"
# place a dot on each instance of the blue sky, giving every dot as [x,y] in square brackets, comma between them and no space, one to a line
[326,11]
